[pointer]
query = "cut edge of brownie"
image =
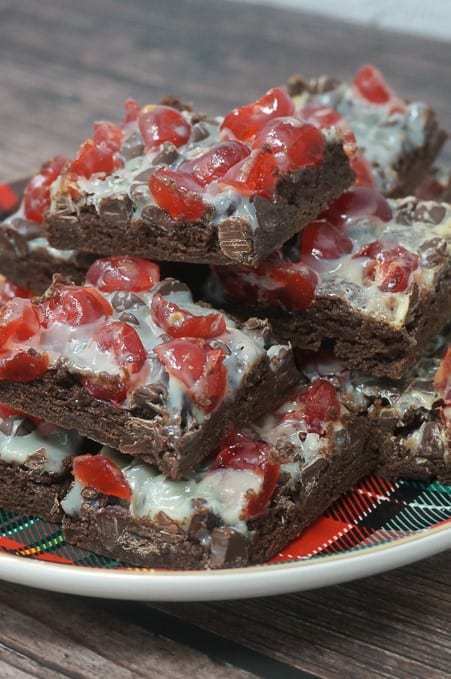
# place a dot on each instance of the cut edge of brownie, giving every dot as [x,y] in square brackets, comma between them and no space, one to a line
[300,197]
[109,530]
[59,398]
[24,492]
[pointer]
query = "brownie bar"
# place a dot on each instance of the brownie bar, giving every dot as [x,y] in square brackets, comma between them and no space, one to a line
[35,461]
[28,260]
[125,373]
[229,219]
[297,461]
[436,186]
[399,139]
[372,282]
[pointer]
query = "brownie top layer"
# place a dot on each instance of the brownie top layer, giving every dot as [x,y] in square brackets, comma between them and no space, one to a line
[382,259]
[388,129]
[292,444]
[40,447]
[166,160]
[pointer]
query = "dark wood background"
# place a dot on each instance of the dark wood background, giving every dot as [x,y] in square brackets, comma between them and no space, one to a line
[66,63]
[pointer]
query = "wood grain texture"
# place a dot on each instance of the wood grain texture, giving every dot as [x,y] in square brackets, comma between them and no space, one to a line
[64,64]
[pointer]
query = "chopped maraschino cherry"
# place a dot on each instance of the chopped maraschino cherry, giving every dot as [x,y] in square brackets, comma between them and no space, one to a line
[316,406]
[158,124]
[390,266]
[37,191]
[199,367]
[101,474]
[356,203]
[324,241]
[296,285]
[131,111]
[99,154]
[244,122]
[19,322]
[123,273]
[111,388]
[295,144]
[241,452]
[6,411]
[74,305]
[324,117]
[214,164]
[442,379]
[255,175]
[362,170]
[371,85]
[22,366]
[9,290]
[178,193]
[123,342]
[178,322]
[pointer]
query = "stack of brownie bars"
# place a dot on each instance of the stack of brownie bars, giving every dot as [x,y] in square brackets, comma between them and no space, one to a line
[205,422]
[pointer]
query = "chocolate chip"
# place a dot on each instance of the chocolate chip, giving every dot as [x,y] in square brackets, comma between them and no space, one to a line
[296,85]
[433,252]
[122,301]
[235,239]
[199,132]
[167,156]
[170,285]
[432,214]
[127,317]
[174,102]
[116,209]
[133,146]
[312,469]
[323,84]
[202,522]
[228,548]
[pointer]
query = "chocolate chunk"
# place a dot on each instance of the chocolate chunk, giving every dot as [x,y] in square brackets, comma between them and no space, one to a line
[323,84]
[115,209]
[167,156]
[228,548]
[199,132]
[171,285]
[235,238]
[122,301]
[202,522]
[432,214]
[37,460]
[127,317]
[311,470]
[151,396]
[174,102]
[433,252]
[296,85]
[133,146]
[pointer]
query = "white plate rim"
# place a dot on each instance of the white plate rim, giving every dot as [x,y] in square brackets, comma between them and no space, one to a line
[255,581]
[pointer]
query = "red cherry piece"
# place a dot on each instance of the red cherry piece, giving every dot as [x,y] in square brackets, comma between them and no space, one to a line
[19,322]
[324,241]
[101,474]
[297,285]
[123,273]
[108,136]
[356,203]
[124,343]
[241,452]
[199,367]
[107,388]
[246,121]
[294,143]
[131,111]
[74,305]
[37,191]
[321,116]
[442,379]
[255,175]
[23,366]
[317,405]
[371,85]
[159,124]
[92,159]
[180,323]
[214,164]
[362,170]
[177,193]
[9,290]
[6,411]
[392,265]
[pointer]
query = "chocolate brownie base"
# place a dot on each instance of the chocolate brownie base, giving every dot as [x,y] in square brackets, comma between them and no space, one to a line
[109,530]
[398,460]
[300,196]
[26,492]
[59,398]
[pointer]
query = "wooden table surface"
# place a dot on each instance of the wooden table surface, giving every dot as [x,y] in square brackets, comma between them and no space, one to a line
[63,65]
